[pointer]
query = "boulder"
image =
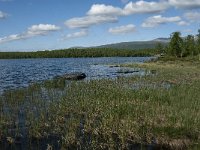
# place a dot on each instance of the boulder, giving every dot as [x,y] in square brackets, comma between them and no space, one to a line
[74,76]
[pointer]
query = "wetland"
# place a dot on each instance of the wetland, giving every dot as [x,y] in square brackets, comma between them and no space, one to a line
[156,106]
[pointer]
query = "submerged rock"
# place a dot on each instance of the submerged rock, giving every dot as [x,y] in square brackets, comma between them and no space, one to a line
[71,76]
[74,76]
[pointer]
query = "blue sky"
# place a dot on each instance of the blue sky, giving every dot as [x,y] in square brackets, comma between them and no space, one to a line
[31,25]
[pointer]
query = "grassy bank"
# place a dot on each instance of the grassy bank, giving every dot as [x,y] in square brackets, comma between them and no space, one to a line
[159,110]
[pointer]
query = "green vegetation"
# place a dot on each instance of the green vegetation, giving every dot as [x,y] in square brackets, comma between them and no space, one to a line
[160,109]
[90,52]
[184,47]
[176,44]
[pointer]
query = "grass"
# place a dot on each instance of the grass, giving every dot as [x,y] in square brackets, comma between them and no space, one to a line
[160,109]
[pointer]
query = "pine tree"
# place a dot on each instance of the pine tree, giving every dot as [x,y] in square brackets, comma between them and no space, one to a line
[176,44]
[189,45]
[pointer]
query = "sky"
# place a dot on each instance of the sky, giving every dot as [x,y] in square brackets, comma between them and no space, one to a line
[32,25]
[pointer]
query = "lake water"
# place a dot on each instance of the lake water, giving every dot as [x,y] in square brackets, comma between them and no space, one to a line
[16,73]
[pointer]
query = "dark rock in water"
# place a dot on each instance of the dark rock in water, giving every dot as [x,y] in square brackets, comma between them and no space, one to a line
[74,76]
[127,71]
[113,66]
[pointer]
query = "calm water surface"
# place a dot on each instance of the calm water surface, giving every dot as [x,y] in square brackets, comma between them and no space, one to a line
[16,73]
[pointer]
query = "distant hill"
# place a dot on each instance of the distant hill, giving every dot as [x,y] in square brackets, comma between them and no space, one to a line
[136,45]
[162,40]
[78,47]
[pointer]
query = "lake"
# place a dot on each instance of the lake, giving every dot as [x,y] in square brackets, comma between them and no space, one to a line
[15,73]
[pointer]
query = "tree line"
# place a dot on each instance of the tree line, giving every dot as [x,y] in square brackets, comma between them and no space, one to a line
[87,52]
[183,47]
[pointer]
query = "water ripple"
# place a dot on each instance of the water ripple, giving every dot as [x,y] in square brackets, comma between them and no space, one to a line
[20,73]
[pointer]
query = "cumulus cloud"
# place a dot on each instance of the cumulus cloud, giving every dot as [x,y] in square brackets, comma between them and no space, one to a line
[87,21]
[78,34]
[42,29]
[122,29]
[138,7]
[101,9]
[157,20]
[188,4]
[192,16]
[3,15]
[35,30]
[145,7]
[141,7]
[101,13]
[183,23]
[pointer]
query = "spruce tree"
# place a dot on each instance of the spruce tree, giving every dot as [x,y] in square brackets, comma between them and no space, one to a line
[176,44]
[190,48]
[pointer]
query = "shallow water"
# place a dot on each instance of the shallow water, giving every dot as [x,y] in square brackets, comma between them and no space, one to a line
[16,73]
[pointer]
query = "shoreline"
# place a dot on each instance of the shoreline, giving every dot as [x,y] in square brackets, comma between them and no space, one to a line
[113,112]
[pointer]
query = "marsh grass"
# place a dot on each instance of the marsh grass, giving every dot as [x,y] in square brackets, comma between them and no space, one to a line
[110,114]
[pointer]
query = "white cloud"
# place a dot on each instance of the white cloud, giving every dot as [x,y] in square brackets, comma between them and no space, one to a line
[142,6]
[183,23]
[192,16]
[157,20]
[101,9]
[42,29]
[122,29]
[101,13]
[13,37]
[87,21]
[76,34]
[188,4]
[145,7]
[35,30]
[3,15]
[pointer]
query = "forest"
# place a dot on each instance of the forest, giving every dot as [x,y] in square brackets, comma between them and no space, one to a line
[69,53]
